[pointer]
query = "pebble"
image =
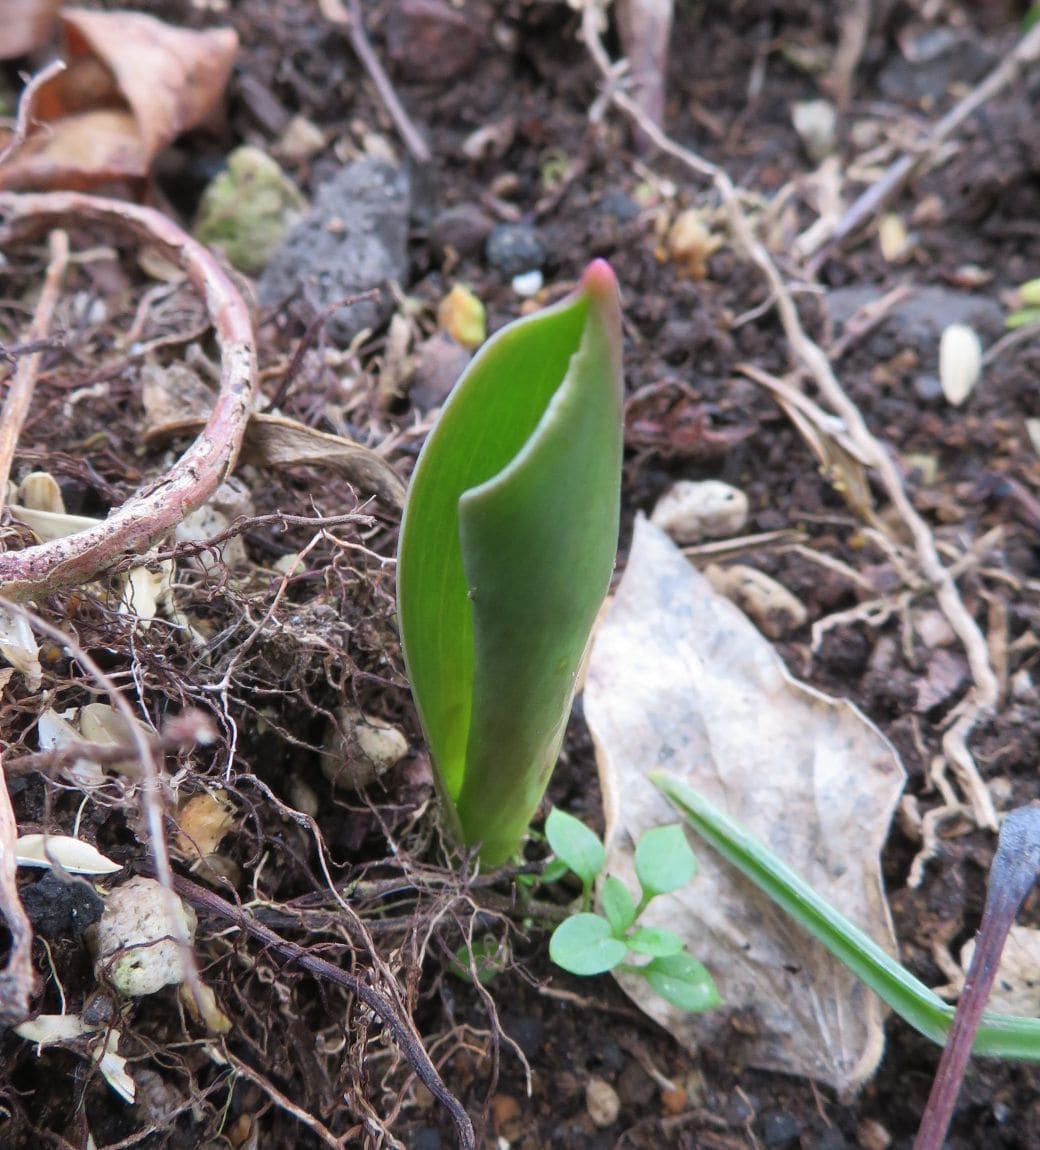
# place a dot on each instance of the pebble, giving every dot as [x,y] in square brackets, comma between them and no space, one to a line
[602,1102]
[136,954]
[780,1129]
[690,511]
[871,1135]
[635,1087]
[369,749]
[59,909]
[439,361]
[426,1138]
[463,227]
[918,321]
[528,284]
[353,239]
[816,122]
[623,208]
[429,40]
[515,248]
[770,606]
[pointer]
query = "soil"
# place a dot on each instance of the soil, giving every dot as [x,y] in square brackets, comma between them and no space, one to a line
[521,1053]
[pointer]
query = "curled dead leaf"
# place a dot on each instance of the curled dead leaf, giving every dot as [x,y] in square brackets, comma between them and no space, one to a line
[132,85]
[271,441]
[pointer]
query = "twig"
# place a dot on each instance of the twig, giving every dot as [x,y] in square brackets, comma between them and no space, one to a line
[25,107]
[150,787]
[133,527]
[353,21]
[19,395]
[17,979]
[396,1022]
[812,360]
[877,197]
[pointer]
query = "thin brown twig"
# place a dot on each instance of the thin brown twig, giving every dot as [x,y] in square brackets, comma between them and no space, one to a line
[25,108]
[17,979]
[810,359]
[38,571]
[352,20]
[393,1018]
[19,395]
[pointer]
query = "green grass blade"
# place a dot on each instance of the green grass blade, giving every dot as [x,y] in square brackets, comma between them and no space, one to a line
[507,545]
[1002,1036]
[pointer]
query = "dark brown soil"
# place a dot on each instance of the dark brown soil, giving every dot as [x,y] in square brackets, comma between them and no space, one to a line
[333,635]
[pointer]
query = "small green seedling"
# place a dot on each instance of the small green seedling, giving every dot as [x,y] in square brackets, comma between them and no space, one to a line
[1028,315]
[507,546]
[589,943]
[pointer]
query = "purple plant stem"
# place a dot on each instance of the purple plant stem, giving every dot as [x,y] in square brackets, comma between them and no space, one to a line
[1011,877]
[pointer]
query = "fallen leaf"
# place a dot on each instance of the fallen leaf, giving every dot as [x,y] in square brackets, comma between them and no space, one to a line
[272,442]
[204,820]
[73,855]
[1017,986]
[28,26]
[132,85]
[679,679]
[18,646]
[65,1029]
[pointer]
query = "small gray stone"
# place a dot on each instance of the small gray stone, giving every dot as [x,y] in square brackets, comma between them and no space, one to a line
[918,321]
[615,203]
[515,248]
[462,227]
[352,240]
[779,1129]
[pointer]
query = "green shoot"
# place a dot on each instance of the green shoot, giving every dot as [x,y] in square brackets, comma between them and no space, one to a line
[999,1035]
[507,546]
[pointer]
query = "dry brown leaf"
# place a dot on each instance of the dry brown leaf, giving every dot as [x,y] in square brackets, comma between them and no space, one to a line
[679,679]
[272,441]
[204,820]
[131,86]
[27,24]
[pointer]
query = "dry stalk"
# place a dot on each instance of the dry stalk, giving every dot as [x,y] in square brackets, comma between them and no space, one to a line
[17,979]
[811,360]
[38,571]
[19,395]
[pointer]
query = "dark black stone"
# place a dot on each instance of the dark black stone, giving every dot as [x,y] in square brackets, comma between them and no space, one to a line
[60,909]
[780,1129]
[515,248]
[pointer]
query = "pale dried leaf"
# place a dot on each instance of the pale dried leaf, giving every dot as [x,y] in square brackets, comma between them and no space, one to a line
[64,1029]
[18,646]
[680,680]
[144,590]
[273,442]
[55,732]
[73,855]
[39,491]
[50,525]
[28,26]
[204,820]
[1017,986]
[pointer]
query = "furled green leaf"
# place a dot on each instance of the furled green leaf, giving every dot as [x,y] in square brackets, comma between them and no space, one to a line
[682,981]
[584,944]
[507,545]
[575,844]
[664,860]
[618,905]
